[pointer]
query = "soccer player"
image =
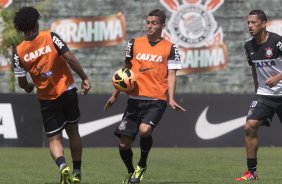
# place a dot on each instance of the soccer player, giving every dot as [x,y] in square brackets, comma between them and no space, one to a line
[46,57]
[154,61]
[263,52]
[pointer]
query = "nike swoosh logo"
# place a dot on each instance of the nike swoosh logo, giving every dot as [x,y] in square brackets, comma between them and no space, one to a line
[144,69]
[205,130]
[96,125]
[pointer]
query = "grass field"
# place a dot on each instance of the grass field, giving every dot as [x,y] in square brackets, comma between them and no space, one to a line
[165,166]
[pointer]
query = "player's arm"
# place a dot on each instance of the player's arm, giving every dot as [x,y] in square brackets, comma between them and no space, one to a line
[174,64]
[129,54]
[255,78]
[73,62]
[75,66]
[20,73]
[273,80]
[127,64]
[24,84]
[249,60]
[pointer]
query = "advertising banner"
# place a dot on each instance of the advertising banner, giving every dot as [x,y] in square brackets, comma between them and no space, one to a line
[194,29]
[210,121]
[91,32]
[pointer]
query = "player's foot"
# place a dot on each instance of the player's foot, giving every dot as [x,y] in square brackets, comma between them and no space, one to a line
[65,175]
[248,175]
[138,175]
[127,178]
[76,177]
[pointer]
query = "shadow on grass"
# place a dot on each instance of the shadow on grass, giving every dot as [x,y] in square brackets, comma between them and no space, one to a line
[174,182]
[162,182]
[57,182]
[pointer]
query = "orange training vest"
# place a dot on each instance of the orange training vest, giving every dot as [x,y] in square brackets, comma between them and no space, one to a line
[48,70]
[150,66]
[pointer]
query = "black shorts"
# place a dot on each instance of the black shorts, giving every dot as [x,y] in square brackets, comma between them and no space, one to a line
[56,114]
[264,107]
[140,111]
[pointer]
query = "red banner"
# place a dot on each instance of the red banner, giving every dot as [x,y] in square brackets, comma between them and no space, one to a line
[5,3]
[91,32]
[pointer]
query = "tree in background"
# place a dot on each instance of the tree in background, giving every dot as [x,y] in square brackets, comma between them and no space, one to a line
[10,37]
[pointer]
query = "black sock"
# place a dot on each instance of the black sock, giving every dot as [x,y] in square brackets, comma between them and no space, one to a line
[126,156]
[76,165]
[252,164]
[60,161]
[145,146]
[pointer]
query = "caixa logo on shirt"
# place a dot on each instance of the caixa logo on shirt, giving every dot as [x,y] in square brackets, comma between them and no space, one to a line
[37,53]
[7,122]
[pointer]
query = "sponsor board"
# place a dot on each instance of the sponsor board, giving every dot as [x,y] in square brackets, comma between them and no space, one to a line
[210,121]
[193,28]
[5,64]
[7,122]
[275,26]
[5,3]
[91,32]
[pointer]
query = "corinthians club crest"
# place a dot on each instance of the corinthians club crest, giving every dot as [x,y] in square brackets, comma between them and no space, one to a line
[192,25]
[193,28]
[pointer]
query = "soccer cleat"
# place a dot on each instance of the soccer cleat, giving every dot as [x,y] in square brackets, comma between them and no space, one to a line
[65,175]
[76,178]
[127,177]
[247,176]
[137,175]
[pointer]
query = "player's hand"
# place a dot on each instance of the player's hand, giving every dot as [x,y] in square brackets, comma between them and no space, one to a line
[272,81]
[85,86]
[29,87]
[110,102]
[176,107]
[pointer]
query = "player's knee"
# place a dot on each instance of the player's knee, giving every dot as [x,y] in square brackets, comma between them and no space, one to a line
[251,128]
[144,132]
[125,143]
[124,146]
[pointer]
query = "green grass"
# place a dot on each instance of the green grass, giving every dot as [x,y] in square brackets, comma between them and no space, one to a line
[165,166]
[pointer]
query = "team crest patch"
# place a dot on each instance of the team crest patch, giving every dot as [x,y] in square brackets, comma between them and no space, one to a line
[250,112]
[268,52]
[122,125]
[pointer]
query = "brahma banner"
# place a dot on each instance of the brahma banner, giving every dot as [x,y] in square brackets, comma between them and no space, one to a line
[193,28]
[91,32]
[5,63]
[275,26]
[5,3]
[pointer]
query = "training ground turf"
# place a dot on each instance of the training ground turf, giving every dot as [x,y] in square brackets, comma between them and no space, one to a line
[165,166]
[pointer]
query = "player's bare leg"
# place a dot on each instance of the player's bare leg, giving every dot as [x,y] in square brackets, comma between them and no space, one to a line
[251,143]
[76,151]
[57,152]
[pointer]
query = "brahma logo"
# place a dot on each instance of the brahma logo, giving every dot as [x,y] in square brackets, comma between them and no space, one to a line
[91,32]
[5,3]
[7,122]
[193,29]
[275,26]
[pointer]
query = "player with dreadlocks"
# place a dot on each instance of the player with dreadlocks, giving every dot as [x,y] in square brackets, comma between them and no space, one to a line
[46,57]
